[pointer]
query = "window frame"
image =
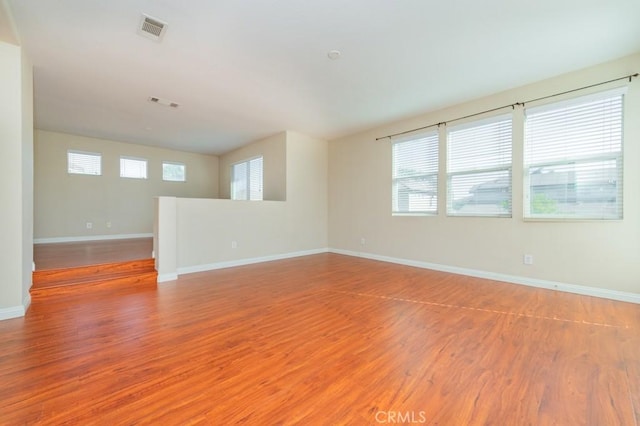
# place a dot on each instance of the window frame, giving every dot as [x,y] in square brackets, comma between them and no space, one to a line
[428,137]
[97,155]
[578,160]
[470,171]
[174,163]
[232,193]
[130,158]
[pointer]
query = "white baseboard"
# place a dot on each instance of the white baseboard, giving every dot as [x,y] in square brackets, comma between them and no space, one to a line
[16,311]
[26,302]
[167,277]
[90,238]
[513,279]
[12,312]
[249,261]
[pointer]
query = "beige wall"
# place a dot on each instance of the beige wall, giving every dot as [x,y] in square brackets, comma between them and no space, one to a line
[273,150]
[64,202]
[308,188]
[27,176]
[16,189]
[206,229]
[594,254]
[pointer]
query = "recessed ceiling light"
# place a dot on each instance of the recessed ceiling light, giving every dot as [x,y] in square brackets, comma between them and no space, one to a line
[334,54]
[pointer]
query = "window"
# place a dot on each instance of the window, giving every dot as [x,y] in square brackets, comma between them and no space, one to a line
[573,159]
[246,180]
[174,172]
[84,163]
[134,168]
[479,168]
[415,175]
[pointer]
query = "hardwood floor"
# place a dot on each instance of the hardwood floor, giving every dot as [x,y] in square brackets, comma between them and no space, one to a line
[323,339]
[68,255]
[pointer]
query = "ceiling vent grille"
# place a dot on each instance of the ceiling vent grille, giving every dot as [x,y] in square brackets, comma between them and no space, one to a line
[164,102]
[152,28]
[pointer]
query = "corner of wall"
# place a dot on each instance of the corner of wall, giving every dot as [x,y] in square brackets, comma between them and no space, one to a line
[8,30]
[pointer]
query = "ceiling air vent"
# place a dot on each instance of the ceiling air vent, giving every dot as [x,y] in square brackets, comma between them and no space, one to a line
[152,28]
[164,102]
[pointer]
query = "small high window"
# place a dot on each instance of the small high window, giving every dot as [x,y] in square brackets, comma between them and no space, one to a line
[135,168]
[84,163]
[174,172]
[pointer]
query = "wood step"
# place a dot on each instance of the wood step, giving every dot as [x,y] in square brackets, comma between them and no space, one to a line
[137,280]
[56,277]
[84,279]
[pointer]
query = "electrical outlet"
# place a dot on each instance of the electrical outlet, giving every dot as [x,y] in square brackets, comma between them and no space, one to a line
[89,225]
[108,224]
[363,241]
[234,244]
[527,259]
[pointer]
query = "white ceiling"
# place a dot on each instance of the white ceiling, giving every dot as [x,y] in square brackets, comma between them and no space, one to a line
[242,70]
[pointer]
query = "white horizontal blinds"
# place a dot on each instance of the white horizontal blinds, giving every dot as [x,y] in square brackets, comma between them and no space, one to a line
[479,158]
[246,180]
[84,163]
[134,168]
[573,159]
[239,182]
[415,174]
[255,179]
[173,172]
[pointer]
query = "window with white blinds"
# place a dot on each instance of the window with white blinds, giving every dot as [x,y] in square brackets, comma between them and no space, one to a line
[573,158]
[84,163]
[134,168]
[415,175]
[246,180]
[479,168]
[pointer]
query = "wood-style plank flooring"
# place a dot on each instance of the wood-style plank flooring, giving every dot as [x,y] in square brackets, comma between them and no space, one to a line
[323,339]
[69,255]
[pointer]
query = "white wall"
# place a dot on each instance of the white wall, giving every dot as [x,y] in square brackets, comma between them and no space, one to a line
[206,229]
[65,202]
[274,152]
[16,190]
[604,255]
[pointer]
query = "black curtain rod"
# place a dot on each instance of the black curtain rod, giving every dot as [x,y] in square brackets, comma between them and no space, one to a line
[630,77]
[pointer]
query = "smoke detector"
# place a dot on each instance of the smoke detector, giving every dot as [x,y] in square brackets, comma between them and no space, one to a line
[162,101]
[334,55]
[152,28]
